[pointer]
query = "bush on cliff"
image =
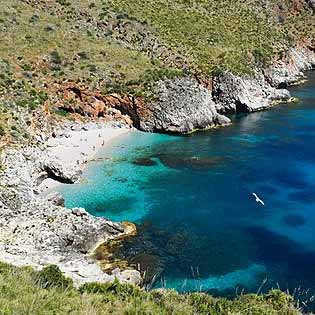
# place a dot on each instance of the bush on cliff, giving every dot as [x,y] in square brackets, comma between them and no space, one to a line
[52,277]
[20,294]
[114,287]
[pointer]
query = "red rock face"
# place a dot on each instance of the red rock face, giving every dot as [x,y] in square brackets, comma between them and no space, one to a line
[92,104]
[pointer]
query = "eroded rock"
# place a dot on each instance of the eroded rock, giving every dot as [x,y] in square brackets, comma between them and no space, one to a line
[234,94]
[36,230]
[182,106]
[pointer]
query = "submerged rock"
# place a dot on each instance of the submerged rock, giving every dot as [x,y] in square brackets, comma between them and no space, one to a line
[144,162]
[151,266]
[194,163]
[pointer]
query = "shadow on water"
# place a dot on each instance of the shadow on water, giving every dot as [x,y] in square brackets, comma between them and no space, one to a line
[296,264]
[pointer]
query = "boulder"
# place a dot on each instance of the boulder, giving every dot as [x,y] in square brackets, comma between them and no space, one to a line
[56,198]
[144,162]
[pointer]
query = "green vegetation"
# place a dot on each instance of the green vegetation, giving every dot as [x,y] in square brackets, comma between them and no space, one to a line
[124,46]
[24,291]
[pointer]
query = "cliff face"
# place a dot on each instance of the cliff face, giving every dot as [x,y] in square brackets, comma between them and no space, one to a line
[184,105]
[181,106]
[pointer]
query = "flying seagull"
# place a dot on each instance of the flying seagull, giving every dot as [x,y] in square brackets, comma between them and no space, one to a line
[258,199]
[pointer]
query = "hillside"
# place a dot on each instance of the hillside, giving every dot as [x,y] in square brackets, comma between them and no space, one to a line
[54,53]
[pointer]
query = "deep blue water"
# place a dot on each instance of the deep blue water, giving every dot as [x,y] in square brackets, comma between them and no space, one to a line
[197,219]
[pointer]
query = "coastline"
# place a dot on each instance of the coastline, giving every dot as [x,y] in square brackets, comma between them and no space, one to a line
[78,147]
[37,230]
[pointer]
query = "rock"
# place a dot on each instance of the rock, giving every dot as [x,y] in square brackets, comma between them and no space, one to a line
[56,171]
[129,276]
[311,4]
[56,199]
[234,94]
[182,106]
[194,163]
[289,71]
[79,212]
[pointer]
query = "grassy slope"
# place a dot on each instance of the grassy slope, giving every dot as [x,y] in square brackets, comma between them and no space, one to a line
[24,292]
[108,45]
[43,45]
[124,46]
[210,34]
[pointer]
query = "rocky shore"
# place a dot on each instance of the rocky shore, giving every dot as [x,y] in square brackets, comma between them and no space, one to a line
[38,230]
[183,105]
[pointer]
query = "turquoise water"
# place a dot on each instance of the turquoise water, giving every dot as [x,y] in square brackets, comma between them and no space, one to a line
[200,227]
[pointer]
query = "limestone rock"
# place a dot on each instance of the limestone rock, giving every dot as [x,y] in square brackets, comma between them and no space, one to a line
[289,71]
[37,230]
[56,199]
[182,106]
[234,94]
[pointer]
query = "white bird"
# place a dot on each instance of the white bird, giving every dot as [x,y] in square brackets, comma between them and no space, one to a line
[258,199]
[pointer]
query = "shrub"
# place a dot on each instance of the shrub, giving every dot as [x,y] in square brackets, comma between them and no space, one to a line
[5,268]
[110,287]
[83,55]
[52,277]
[2,131]
[62,112]
[55,60]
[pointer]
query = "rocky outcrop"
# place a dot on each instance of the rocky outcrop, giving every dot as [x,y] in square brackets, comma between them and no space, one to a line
[37,231]
[181,106]
[290,70]
[234,94]
[87,103]
[25,170]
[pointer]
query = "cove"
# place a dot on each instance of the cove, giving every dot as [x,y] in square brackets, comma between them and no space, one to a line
[199,226]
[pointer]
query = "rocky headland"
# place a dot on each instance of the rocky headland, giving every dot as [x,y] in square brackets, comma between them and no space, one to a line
[185,105]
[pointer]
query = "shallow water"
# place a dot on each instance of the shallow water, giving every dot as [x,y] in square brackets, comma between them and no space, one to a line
[199,224]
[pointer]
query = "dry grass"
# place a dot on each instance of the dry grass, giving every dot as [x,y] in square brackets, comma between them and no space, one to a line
[22,292]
